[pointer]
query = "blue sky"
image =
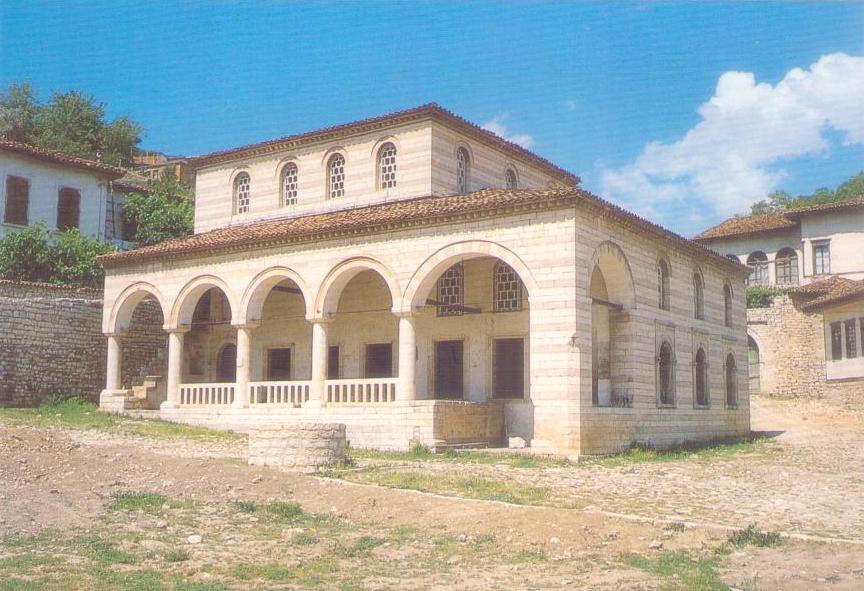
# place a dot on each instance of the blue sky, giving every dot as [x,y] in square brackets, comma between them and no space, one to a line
[587,85]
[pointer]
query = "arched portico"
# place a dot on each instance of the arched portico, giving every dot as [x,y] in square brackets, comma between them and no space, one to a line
[186,301]
[252,304]
[327,299]
[125,304]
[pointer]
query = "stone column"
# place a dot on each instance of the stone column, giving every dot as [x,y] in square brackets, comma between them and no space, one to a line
[244,361]
[114,363]
[317,391]
[406,388]
[175,365]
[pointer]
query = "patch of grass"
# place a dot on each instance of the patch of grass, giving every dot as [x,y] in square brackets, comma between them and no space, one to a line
[304,539]
[148,502]
[24,563]
[192,586]
[681,571]
[422,453]
[176,555]
[530,556]
[751,536]
[78,414]
[639,454]
[245,506]
[285,512]
[403,534]
[274,573]
[361,548]
[142,580]
[103,551]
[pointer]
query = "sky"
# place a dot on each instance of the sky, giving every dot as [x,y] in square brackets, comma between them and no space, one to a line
[683,112]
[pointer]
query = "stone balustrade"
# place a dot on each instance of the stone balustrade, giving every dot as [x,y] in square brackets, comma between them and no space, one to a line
[207,394]
[294,393]
[362,391]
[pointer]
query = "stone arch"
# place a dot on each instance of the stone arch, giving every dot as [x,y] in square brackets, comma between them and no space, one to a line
[379,143]
[327,299]
[259,288]
[617,275]
[184,304]
[127,301]
[427,274]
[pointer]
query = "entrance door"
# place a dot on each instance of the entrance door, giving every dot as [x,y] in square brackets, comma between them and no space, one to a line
[509,368]
[226,369]
[449,382]
[279,365]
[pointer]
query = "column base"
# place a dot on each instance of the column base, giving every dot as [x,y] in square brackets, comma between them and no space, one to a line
[313,404]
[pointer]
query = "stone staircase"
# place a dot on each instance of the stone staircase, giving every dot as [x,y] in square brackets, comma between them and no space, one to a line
[146,396]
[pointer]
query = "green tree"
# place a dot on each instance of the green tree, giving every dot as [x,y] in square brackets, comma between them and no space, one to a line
[18,109]
[166,212]
[852,188]
[71,123]
[781,200]
[26,255]
[73,259]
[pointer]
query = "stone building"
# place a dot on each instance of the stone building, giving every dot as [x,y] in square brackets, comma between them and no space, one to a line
[809,340]
[420,279]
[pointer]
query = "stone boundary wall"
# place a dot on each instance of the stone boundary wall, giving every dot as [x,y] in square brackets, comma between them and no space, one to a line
[302,447]
[51,343]
[144,346]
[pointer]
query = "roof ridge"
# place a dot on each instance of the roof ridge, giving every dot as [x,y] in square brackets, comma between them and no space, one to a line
[60,157]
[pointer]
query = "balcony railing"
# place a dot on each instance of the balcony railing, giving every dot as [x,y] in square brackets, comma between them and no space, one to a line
[294,393]
[207,394]
[361,391]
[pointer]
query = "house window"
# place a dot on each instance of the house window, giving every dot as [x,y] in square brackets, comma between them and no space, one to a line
[379,360]
[701,370]
[463,171]
[731,381]
[836,341]
[510,179]
[758,263]
[450,292]
[821,258]
[387,166]
[509,368]
[289,185]
[17,201]
[851,339]
[666,374]
[727,304]
[68,209]
[279,364]
[507,288]
[786,267]
[698,297]
[242,192]
[663,284]
[333,371]
[336,176]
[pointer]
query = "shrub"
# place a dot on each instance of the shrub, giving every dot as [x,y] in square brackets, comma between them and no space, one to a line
[759,296]
[750,536]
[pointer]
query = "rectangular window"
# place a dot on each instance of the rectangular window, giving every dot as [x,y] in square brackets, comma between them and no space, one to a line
[449,382]
[851,339]
[279,365]
[68,209]
[333,362]
[836,341]
[509,368]
[379,360]
[821,258]
[17,201]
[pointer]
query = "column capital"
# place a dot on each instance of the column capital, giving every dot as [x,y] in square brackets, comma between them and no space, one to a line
[408,314]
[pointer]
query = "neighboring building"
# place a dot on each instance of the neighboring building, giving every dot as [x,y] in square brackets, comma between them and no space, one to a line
[55,189]
[151,165]
[420,279]
[808,342]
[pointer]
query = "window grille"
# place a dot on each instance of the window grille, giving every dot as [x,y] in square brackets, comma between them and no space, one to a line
[510,179]
[758,264]
[289,185]
[242,192]
[450,292]
[821,258]
[508,288]
[336,176]
[387,166]
[463,171]
[786,267]
[851,339]
[836,341]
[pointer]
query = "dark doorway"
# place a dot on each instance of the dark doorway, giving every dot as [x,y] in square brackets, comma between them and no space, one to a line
[379,360]
[279,365]
[333,362]
[509,368]
[449,382]
[227,364]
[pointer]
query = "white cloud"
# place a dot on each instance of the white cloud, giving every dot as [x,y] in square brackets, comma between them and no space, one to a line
[496,126]
[730,158]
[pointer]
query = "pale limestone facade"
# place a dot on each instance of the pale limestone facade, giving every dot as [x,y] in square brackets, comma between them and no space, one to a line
[585,310]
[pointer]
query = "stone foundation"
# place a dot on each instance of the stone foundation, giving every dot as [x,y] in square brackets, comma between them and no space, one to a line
[302,447]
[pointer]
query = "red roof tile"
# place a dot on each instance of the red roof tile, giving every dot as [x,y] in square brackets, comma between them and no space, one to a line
[829,292]
[100,168]
[746,225]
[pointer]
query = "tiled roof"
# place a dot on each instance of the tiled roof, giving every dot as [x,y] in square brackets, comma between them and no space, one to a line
[825,207]
[430,111]
[387,217]
[111,172]
[828,292]
[131,182]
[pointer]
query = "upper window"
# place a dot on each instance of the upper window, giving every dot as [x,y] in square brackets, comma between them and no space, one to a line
[387,166]
[336,176]
[242,192]
[836,341]
[450,292]
[851,339]
[68,209]
[666,374]
[663,284]
[758,263]
[463,171]
[510,179]
[731,381]
[289,185]
[821,258]
[507,288]
[701,370]
[786,267]
[698,297]
[727,304]
[17,200]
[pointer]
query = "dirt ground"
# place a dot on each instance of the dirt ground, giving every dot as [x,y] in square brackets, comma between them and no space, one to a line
[652,525]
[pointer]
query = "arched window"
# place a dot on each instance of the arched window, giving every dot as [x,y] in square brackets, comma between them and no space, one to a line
[698,297]
[289,184]
[507,288]
[731,381]
[758,263]
[336,176]
[242,192]
[387,166]
[663,284]
[226,364]
[727,304]
[463,171]
[786,267]
[510,179]
[733,257]
[701,378]
[666,374]
[450,292]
